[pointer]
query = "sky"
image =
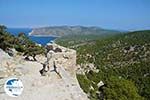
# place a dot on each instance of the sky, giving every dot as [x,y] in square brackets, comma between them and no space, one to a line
[110,14]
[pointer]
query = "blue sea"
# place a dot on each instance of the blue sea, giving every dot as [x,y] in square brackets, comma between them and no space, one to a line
[43,40]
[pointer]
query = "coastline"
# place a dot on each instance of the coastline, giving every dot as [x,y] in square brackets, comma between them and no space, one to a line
[45,36]
[31,34]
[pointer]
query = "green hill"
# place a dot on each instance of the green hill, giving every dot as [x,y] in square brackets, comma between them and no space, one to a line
[70,30]
[123,61]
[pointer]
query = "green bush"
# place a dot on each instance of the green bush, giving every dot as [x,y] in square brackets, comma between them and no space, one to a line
[21,43]
[19,48]
[120,89]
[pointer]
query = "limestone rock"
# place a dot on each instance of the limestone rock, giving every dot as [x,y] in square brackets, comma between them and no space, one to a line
[66,58]
[37,87]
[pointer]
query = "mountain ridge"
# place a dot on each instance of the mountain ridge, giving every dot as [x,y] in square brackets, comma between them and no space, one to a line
[70,30]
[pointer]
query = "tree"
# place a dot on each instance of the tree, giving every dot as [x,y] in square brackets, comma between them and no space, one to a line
[4,40]
[120,89]
[2,28]
[33,50]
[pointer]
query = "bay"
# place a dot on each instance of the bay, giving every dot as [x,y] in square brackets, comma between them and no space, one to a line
[43,40]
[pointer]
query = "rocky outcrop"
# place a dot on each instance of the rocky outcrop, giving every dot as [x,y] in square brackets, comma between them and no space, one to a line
[64,57]
[37,87]
[86,68]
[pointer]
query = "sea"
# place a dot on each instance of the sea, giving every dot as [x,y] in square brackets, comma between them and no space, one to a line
[43,40]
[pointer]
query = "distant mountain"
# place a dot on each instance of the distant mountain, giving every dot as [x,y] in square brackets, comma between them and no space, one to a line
[70,30]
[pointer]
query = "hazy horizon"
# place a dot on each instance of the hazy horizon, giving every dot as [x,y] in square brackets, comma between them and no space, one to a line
[107,14]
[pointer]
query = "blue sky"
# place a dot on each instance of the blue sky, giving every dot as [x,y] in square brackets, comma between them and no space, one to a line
[111,14]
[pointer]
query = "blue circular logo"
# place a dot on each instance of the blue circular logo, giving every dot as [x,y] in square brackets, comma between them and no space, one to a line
[13,87]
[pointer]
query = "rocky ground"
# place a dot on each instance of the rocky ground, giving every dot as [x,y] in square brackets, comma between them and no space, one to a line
[37,87]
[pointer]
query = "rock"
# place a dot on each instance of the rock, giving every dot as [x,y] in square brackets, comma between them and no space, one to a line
[14,51]
[49,47]
[21,70]
[64,57]
[80,70]
[113,45]
[38,45]
[100,84]
[86,68]
[57,50]
[3,55]
[131,48]
[11,52]
[91,87]
[49,87]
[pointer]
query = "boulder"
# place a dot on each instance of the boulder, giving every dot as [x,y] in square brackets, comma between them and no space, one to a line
[100,84]
[57,50]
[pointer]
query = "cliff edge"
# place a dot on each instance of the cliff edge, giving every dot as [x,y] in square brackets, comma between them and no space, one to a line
[36,87]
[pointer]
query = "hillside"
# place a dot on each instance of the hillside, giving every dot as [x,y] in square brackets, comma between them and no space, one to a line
[70,30]
[120,61]
[111,67]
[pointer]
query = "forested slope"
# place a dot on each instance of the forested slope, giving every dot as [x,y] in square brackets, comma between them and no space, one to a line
[123,62]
